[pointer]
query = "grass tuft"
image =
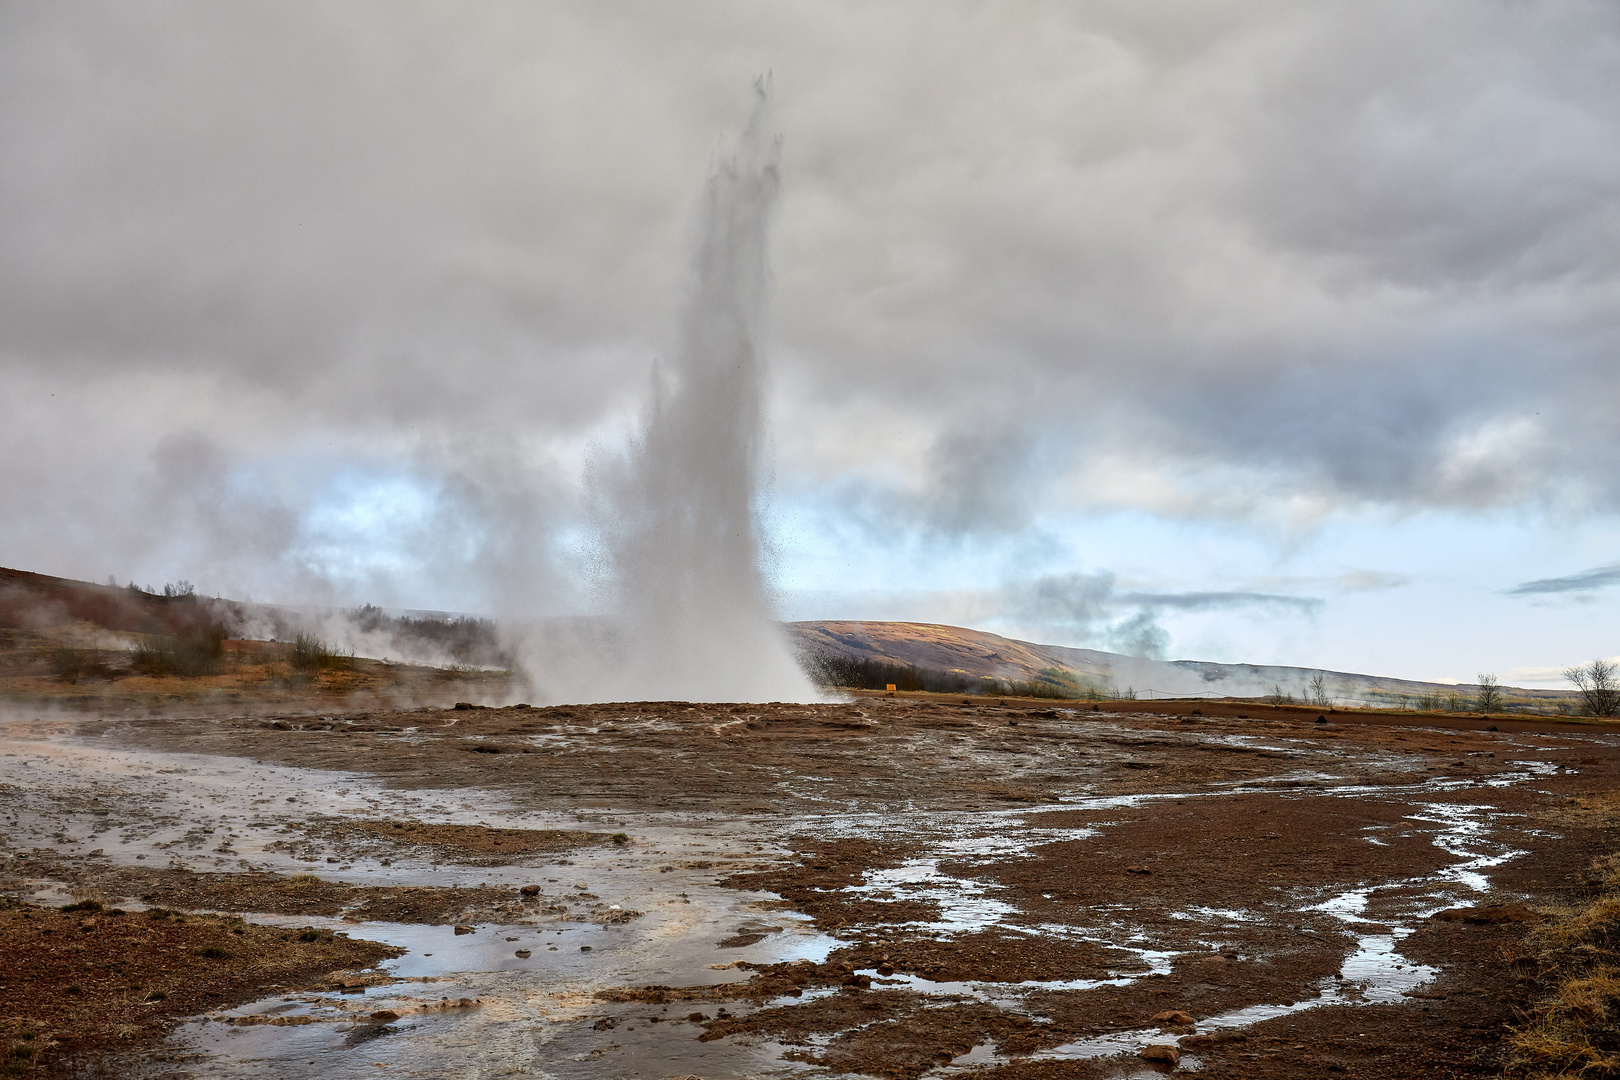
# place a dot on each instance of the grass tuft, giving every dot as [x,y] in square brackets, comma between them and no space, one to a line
[1572,1030]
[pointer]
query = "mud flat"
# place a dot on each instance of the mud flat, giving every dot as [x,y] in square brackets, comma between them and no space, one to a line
[885,887]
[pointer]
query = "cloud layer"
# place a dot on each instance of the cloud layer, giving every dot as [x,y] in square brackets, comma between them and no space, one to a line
[308,299]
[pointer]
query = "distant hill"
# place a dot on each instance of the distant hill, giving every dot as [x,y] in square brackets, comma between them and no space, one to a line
[956,659]
[930,656]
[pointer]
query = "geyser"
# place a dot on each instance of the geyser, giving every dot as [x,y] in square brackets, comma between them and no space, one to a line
[679,516]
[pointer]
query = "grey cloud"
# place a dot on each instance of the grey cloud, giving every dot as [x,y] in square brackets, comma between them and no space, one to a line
[1115,254]
[1090,609]
[1599,577]
[1221,601]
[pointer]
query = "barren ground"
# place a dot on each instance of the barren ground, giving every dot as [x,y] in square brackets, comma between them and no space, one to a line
[889,887]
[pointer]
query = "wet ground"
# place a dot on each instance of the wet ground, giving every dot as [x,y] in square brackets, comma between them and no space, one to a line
[886,887]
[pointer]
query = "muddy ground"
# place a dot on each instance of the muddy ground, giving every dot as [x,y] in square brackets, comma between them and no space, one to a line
[886,887]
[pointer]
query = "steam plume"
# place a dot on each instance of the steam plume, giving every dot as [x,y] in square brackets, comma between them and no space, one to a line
[695,622]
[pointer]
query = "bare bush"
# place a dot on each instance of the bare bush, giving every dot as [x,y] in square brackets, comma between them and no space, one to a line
[1598,684]
[1489,698]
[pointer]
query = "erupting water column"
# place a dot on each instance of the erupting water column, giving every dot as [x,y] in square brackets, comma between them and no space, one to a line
[697,622]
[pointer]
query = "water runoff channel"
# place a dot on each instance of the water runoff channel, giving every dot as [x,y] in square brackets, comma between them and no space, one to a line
[511,999]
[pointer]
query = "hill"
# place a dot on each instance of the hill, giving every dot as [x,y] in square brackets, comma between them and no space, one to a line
[56,614]
[954,659]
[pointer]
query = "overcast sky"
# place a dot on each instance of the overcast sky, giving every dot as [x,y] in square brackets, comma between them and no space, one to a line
[1247,331]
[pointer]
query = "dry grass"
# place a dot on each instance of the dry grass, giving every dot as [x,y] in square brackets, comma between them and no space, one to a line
[1573,1030]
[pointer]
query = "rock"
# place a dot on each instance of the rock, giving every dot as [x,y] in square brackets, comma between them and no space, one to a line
[885,969]
[523,954]
[1490,915]
[1193,1042]
[1174,1018]
[1137,870]
[696,1018]
[463,928]
[1160,1052]
[530,890]
[584,948]
[385,1015]
[1321,720]
[463,705]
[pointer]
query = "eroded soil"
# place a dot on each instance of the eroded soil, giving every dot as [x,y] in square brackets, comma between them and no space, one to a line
[886,887]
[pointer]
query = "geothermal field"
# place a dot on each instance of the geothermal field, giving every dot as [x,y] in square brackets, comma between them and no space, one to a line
[1036,618]
[889,886]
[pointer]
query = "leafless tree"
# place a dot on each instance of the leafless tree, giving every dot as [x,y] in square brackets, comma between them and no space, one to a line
[1490,694]
[1316,692]
[1599,684]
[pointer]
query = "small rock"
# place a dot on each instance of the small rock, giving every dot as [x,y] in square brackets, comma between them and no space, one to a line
[696,1018]
[1137,870]
[463,705]
[1321,720]
[1161,1052]
[530,890]
[1174,1017]
[584,948]
[523,954]
[885,969]
[385,1015]
[463,928]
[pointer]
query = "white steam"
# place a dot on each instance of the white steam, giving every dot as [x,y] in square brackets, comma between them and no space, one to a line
[693,621]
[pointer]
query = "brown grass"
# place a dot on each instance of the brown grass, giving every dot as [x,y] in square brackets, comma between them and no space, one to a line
[1573,1030]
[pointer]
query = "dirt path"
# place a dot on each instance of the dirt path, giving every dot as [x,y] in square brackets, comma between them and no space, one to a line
[886,887]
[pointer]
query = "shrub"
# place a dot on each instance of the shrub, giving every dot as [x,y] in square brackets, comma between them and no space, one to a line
[195,652]
[310,655]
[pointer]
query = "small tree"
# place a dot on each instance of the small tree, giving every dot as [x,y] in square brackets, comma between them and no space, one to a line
[1599,685]
[1490,694]
[1278,696]
[1316,694]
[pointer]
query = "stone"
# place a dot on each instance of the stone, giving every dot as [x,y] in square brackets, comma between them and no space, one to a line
[1174,1018]
[463,928]
[385,1015]
[523,954]
[1137,870]
[530,890]
[1160,1052]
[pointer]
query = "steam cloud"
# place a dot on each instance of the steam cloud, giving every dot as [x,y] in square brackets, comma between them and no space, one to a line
[694,622]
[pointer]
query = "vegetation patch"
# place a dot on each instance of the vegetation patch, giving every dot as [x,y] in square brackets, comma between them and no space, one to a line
[1573,1029]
